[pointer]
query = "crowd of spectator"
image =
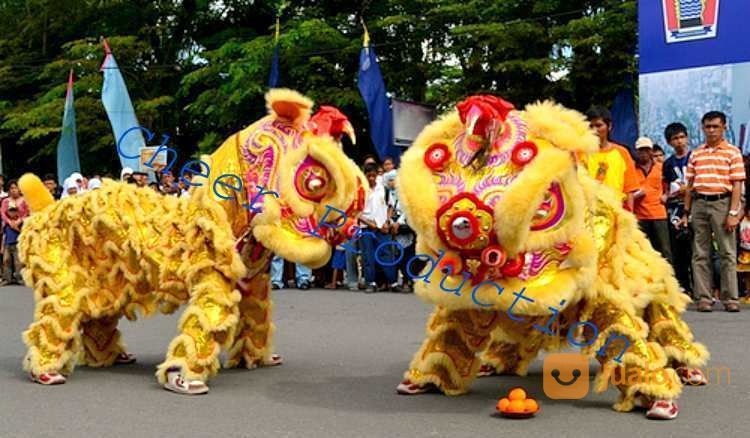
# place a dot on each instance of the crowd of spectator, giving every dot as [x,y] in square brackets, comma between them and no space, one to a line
[384,219]
[689,205]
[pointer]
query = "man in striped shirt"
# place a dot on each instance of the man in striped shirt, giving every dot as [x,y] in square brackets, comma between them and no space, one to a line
[715,174]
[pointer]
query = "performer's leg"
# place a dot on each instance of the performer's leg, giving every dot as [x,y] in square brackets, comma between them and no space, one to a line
[505,355]
[102,343]
[252,345]
[637,367]
[54,337]
[673,334]
[448,357]
[207,325]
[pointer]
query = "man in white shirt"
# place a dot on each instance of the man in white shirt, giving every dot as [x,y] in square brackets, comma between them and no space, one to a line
[375,226]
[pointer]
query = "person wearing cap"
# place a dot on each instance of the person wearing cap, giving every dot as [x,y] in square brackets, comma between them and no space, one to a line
[715,175]
[70,188]
[79,180]
[647,200]
[125,173]
[95,183]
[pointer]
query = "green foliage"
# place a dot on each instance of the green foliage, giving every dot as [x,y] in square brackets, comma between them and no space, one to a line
[198,69]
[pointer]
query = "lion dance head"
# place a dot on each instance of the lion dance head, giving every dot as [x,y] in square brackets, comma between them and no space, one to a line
[302,193]
[494,196]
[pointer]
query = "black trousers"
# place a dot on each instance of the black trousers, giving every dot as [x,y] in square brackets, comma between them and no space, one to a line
[657,232]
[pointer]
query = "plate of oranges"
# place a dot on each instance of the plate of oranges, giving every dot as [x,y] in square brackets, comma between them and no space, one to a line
[517,405]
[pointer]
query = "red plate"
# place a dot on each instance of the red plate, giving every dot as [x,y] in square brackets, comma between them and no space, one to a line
[518,415]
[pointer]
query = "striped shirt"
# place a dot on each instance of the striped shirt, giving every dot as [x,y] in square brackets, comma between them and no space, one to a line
[712,170]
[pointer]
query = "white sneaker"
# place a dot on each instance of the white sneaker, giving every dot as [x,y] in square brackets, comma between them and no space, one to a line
[407,387]
[51,378]
[663,410]
[176,383]
[275,360]
[691,376]
[125,358]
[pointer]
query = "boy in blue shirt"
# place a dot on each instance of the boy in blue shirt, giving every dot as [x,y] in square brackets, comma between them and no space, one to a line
[674,191]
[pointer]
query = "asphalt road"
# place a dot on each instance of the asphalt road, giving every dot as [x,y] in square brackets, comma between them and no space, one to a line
[345,352]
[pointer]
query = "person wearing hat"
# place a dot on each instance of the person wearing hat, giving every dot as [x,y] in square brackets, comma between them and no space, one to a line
[647,205]
[125,173]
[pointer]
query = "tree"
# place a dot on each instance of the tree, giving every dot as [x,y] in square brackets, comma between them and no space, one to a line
[198,69]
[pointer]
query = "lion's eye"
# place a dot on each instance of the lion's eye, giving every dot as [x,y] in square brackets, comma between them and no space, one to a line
[551,211]
[312,180]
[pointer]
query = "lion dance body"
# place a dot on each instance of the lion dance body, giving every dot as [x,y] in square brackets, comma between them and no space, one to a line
[121,250]
[498,202]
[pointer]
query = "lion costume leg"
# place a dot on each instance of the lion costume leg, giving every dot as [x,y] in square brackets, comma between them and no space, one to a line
[505,355]
[252,346]
[675,337]
[207,325]
[54,337]
[102,342]
[635,365]
[448,357]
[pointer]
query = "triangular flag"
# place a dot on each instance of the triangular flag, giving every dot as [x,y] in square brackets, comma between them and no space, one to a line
[120,111]
[67,148]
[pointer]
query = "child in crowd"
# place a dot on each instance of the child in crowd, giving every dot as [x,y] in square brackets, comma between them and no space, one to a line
[11,262]
[338,264]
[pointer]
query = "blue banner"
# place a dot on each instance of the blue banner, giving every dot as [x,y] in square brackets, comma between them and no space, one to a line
[273,77]
[67,147]
[624,120]
[120,112]
[679,34]
[373,91]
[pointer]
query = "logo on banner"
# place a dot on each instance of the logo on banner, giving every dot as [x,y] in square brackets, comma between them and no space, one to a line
[687,20]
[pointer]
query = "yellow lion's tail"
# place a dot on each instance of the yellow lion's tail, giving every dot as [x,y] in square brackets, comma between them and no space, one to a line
[36,194]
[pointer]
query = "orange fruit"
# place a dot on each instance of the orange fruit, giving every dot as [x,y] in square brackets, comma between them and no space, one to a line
[517,394]
[530,405]
[516,406]
[502,405]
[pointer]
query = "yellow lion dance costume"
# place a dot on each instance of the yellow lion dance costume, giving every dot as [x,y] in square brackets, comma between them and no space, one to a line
[533,254]
[120,250]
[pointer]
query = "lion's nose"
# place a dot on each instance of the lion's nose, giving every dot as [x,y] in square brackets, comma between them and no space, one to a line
[465,223]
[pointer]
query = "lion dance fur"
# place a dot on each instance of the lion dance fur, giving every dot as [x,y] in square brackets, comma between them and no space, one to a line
[499,203]
[120,250]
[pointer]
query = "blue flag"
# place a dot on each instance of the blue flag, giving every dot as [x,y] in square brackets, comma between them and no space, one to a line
[67,147]
[273,78]
[372,88]
[120,112]
[624,120]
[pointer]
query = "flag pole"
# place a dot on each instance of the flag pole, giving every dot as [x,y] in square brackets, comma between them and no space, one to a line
[366,38]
